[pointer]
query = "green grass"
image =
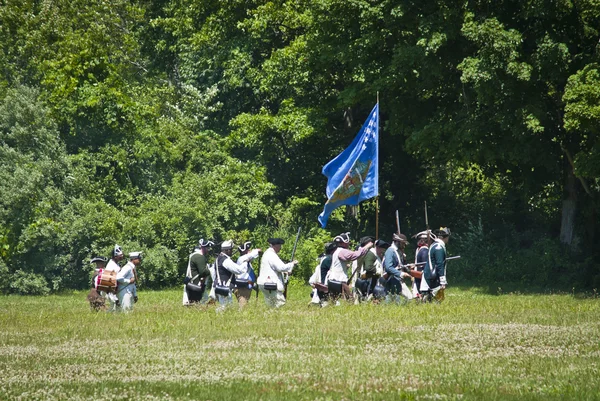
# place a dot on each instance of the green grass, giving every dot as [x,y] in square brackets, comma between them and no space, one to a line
[473,346]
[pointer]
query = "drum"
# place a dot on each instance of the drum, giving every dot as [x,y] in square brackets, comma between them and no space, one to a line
[106,281]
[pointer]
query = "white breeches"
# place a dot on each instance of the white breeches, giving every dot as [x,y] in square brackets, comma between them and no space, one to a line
[126,300]
[112,301]
[406,292]
[224,302]
[273,298]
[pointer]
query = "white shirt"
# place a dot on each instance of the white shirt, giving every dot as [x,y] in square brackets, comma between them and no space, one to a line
[271,267]
[112,266]
[232,266]
[316,277]
[124,278]
[340,260]
[244,260]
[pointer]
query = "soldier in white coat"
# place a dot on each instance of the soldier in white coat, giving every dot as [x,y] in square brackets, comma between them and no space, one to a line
[337,278]
[245,281]
[127,279]
[270,279]
[113,265]
[225,271]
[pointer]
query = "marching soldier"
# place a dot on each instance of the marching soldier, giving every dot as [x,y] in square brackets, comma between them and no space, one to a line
[225,271]
[113,265]
[127,280]
[317,281]
[244,282]
[116,257]
[421,254]
[393,264]
[198,270]
[100,262]
[372,268]
[270,278]
[96,298]
[434,274]
[337,278]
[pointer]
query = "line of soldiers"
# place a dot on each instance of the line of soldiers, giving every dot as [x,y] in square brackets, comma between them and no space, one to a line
[115,284]
[376,270]
[379,270]
[225,277]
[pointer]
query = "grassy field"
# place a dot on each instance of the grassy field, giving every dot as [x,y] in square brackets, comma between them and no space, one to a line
[474,346]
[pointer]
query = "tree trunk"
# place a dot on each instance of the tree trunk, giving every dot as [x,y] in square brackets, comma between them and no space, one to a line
[569,208]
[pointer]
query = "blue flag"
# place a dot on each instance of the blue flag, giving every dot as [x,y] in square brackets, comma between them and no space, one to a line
[353,175]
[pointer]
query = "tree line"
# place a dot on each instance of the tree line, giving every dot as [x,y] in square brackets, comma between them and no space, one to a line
[154,123]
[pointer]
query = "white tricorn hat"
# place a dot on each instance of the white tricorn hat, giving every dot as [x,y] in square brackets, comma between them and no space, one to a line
[227,244]
[135,255]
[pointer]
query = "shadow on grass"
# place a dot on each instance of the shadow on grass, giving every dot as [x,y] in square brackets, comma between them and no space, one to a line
[516,288]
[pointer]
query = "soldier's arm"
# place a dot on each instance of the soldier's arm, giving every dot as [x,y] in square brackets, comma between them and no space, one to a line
[440,264]
[391,261]
[121,276]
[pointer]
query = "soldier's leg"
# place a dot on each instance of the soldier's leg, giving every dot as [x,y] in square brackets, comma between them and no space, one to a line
[279,299]
[243,296]
[126,301]
[406,292]
[270,297]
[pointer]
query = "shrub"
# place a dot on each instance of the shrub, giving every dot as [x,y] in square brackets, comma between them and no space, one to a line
[24,283]
[4,278]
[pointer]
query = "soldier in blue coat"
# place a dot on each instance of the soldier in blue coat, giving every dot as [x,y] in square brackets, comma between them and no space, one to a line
[434,274]
[393,264]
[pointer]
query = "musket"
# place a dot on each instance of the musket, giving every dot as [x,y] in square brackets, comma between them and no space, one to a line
[424,263]
[416,273]
[296,243]
[286,278]
[427,225]
[397,222]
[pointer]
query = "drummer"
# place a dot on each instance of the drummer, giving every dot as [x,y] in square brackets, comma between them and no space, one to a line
[97,298]
[100,262]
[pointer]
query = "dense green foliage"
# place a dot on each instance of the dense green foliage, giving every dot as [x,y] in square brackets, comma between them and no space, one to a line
[154,123]
[474,346]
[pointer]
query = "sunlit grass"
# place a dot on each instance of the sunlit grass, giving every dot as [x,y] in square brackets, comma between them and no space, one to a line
[474,346]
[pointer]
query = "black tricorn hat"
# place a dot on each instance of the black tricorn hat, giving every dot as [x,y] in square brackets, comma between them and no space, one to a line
[204,243]
[245,246]
[276,241]
[343,237]
[443,232]
[382,244]
[365,240]
[330,247]
[399,238]
[423,235]
[98,259]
